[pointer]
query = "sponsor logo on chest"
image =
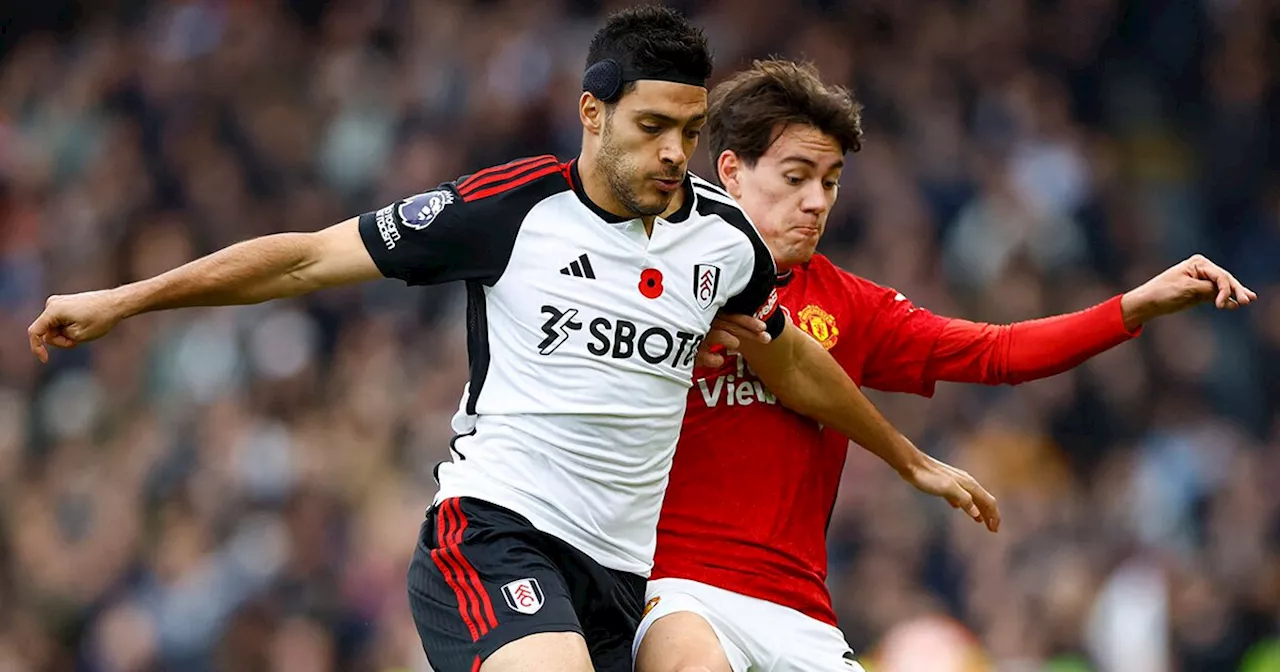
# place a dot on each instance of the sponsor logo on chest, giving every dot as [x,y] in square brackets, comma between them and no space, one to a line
[739,387]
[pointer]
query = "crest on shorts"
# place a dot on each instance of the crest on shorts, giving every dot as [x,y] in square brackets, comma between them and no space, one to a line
[706,282]
[417,212]
[819,324]
[524,596]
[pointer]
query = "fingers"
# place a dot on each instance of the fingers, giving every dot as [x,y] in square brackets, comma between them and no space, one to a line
[985,503]
[60,340]
[745,327]
[728,331]
[35,338]
[1241,295]
[964,501]
[1224,289]
[46,331]
[708,359]
[1231,293]
[974,500]
[719,337]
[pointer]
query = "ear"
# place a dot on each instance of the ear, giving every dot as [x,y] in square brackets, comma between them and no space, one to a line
[729,168]
[591,113]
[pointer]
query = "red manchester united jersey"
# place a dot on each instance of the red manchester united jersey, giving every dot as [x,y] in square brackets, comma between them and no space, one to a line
[753,484]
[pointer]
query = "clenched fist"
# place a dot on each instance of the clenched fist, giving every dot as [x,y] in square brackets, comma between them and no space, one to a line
[72,319]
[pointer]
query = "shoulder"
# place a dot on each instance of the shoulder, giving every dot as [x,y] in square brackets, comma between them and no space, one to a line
[713,202]
[822,269]
[522,181]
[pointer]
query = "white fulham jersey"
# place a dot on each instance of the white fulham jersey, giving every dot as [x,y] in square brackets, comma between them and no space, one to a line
[582,333]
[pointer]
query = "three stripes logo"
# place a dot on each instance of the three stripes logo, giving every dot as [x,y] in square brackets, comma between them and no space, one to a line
[580,268]
[495,180]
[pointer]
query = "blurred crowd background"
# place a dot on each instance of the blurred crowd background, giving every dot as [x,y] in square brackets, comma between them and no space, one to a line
[240,489]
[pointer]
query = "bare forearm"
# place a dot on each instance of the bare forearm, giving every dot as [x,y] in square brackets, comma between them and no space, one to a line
[809,381]
[824,392]
[251,271]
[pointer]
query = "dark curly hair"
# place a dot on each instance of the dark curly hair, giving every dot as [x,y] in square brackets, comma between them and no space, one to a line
[652,39]
[748,111]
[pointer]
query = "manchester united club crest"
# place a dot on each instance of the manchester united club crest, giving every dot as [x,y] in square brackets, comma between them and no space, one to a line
[819,324]
[706,282]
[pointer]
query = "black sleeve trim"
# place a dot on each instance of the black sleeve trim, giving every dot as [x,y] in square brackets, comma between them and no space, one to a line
[461,230]
[758,297]
[775,323]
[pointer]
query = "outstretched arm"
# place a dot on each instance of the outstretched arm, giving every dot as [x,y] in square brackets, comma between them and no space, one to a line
[915,348]
[1024,351]
[456,231]
[252,271]
[809,381]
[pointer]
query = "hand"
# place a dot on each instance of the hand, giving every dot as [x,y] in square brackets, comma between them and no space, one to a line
[728,331]
[70,320]
[961,491]
[1187,284]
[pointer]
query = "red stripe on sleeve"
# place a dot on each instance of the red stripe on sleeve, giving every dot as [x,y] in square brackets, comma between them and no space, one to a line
[500,173]
[549,169]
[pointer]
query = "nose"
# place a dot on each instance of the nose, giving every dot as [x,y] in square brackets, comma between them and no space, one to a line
[814,200]
[672,150]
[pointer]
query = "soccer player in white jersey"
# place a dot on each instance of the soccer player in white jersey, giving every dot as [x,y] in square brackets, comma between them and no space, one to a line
[591,285]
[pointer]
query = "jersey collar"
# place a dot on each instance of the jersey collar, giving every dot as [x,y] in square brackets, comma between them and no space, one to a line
[686,208]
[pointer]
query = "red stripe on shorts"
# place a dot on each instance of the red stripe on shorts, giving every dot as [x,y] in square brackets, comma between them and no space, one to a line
[467,607]
[472,576]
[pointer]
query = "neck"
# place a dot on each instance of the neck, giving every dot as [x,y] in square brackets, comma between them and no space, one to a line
[783,265]
[597,189]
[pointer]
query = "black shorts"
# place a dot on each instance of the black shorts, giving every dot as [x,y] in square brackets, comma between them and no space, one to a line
[482,577]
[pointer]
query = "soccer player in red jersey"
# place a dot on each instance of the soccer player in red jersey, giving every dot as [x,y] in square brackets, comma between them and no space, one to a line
[739,576]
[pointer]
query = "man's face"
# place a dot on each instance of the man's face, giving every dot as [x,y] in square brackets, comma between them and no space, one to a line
[648,137]
[790,190]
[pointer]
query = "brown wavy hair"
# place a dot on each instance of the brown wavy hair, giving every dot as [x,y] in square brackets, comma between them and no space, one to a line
[748,111]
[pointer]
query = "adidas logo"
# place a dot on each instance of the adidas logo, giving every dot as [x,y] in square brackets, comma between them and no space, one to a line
[579,268]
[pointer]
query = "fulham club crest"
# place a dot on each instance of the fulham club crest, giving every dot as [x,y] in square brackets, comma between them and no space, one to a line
[524,596]
[706,282]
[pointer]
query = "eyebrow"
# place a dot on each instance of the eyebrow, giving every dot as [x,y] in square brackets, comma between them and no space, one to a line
[668,119]
[810,162]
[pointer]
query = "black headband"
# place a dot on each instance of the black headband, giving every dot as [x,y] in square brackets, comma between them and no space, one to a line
[605,78]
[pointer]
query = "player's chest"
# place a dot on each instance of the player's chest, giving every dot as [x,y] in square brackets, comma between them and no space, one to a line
[677,276]
[817,310]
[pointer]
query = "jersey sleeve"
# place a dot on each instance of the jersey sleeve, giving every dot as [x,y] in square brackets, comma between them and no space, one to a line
[899,340]
[464,229]
[759,298]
